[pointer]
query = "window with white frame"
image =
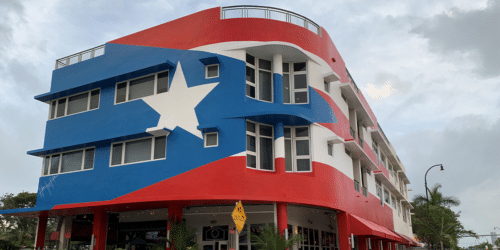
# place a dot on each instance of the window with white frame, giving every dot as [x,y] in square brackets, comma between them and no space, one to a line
[141,87]
[260,141]
[382,159]
[378,185]
[387,197]
[297,152]
[138,150]
[259,83]
[73,104]
[399,208]
[70,161]
[211,139]
[212,71]
[394,202]
[295,88]
[375,151]
[330,149]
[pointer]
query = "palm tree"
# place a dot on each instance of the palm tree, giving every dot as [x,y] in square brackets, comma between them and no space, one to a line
[271,239]
[436,198]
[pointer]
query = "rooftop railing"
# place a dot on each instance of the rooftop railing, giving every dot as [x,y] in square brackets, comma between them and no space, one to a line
[352,80]
[252,11]
[80,56]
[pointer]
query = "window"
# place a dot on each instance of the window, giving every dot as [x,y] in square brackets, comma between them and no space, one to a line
[394,202]
[75,104]
[375,150]
[211,139]
[139,150]
[310,236]
[399,208]
[295,88]
[260,140]
[297,153]
[141,87]
[380,245]
[212,71]
[68,162]
[327,87]
[330,149]
[259,79]
[387,197]
[382,159]
[379,191]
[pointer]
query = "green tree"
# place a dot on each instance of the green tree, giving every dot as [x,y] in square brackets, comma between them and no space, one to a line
[182,237]
[435,223]
[271,239]
[18,230]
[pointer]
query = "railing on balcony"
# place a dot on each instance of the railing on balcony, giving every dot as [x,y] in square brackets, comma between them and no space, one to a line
[356,185]
[352,80]
[353,133]
[80,56]
[365,192]
[253,11]
[360,142]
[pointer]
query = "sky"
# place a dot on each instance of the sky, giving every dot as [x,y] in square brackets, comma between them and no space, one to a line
[430,70]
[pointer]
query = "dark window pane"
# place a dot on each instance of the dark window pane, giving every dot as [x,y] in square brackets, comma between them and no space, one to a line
[265,86]
[211,139]
[139,150]
[141,87]
[116,155]
[299,66]
[266,130]
[89,159]
[264,64]
[303,165]
[251,161]
[121,92]
[286,67]
[302,132]
[251,127]
[300,81]
[77,103]
[162,84]
[61,106]
[243,247]
[302,147]
[213,71]
[46,165]
[71,161]
[316,238]
[94,99]
[266,153]
[327,87]
[288,155]
[160,147]
[250,59]
[288,133]
[250,74]
[251,91]
[243,236]
[54,164]
[300,97]
[251,143]
[53,110]
[330,149]
[286,88]
[305,233]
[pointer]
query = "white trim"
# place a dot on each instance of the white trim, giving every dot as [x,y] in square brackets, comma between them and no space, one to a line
[155,85]
[205,139]
[153,139]
[293,139]
[82,167]
[67,102]
[256,68]
[291,81]
[206,71]
[257,136]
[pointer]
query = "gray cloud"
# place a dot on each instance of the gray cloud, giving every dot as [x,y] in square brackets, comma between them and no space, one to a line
[12,11]
[476,32]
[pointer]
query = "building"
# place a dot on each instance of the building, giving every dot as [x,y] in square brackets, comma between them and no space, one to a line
[186,118]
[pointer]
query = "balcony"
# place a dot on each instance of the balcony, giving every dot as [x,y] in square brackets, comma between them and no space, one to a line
[365,192]
[352,93]
[356,185]
[252,11]
[391,186]
[364,154]
[80,56]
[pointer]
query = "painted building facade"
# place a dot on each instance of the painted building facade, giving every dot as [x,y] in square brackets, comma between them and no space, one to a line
[186,118]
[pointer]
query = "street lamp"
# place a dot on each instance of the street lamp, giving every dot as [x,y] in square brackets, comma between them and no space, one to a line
[442,169]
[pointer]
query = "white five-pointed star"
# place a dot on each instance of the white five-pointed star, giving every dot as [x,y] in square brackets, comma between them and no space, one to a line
[176,107]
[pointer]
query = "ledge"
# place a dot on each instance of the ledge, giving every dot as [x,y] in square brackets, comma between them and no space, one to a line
[210,60]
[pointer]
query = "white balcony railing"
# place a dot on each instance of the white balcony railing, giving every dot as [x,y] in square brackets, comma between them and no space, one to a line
[80,56]
[252,11]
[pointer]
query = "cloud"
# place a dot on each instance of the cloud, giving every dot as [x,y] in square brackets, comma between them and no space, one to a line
[475,33]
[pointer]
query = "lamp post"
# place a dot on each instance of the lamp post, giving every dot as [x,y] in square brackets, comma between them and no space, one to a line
[442,169]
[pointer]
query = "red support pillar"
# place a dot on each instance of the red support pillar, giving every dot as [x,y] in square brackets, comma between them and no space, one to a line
[99,229]
[174,214]
[40,233]
[282,217]
[344,230]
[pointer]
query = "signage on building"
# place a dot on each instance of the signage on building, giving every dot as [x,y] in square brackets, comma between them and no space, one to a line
[239,216]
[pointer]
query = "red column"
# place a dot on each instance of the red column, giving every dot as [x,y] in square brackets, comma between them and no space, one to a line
[174,214]
[282,217]
[362,243]
[344,230]
[40,233]
[375,244]
[99,229]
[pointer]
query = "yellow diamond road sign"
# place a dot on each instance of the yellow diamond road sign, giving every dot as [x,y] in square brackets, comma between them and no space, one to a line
[239,216]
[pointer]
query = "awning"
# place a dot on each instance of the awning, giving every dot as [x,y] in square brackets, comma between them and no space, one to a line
[408,240]
[360,226]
